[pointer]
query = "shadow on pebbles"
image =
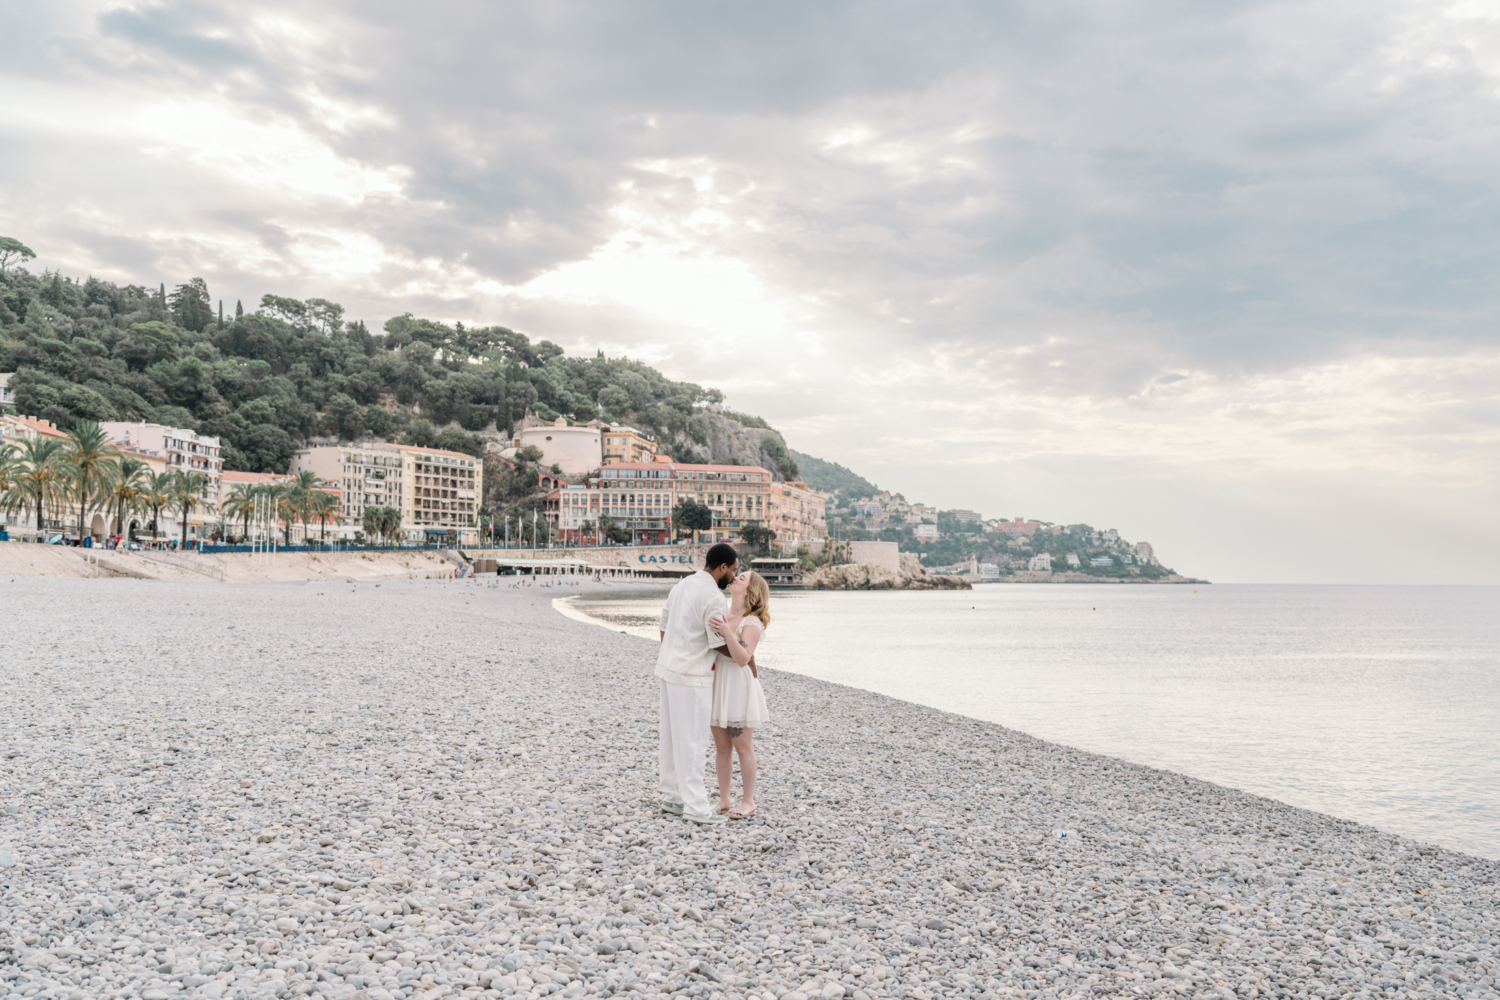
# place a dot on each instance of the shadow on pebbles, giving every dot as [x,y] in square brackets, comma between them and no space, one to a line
[426,789]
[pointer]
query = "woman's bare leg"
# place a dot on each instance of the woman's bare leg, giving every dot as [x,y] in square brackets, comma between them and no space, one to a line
[723,763]
[744,745]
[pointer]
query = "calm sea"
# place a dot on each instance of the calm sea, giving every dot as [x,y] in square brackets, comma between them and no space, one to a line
[1377,704]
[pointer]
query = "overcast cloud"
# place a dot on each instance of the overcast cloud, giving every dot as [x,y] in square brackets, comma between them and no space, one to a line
[1221,276]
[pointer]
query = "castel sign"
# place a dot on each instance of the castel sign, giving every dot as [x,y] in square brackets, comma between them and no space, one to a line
[673,560]
[655,560]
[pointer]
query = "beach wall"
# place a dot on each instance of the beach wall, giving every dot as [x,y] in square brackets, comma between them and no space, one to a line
[681,559]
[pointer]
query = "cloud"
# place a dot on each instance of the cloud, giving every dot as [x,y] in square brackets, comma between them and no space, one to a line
[1239,244]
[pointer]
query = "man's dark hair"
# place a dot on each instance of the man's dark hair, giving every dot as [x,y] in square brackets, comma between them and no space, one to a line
[722,554]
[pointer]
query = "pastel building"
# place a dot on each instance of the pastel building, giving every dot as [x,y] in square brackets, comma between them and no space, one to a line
[181,450]
[626,444]
[438,492]
[639,497]
[372,474]
[798,514]
[443,500]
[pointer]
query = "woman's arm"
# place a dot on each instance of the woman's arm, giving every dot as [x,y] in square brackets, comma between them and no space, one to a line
[742,646]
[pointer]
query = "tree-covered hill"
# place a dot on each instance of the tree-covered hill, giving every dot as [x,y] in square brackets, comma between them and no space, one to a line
[831,477]
[268,380]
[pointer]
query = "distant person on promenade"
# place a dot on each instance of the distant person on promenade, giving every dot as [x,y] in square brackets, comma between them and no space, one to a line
[739,702]
[685,667]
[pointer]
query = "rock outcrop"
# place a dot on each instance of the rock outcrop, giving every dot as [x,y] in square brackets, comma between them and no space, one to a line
[859,576]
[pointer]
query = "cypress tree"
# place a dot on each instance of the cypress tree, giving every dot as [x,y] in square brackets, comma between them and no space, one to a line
[239,310]
[221,314]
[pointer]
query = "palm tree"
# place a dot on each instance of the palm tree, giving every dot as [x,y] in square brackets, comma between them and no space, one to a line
[125,488]
[155,495]
[284,505]
[325,506]
[9,468]
[370,522]
[38,480]
[304,487]
[184,493]
[390,522]
[91,462]
[241,504]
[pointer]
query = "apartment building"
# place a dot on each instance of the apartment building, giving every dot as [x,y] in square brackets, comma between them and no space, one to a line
[368,475]
[639,497]
[437,491]
[626,444]
[1020,526]
[798,515]
[7,394]
[446,490]
[337,528]
[14,429]
[184,451]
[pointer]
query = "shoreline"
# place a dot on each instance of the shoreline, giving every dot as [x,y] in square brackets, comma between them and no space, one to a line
[481,769]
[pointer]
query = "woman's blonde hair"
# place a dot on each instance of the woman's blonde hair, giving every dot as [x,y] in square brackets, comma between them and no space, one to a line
[758,598]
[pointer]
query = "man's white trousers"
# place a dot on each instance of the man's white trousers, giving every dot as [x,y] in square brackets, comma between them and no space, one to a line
[685,737]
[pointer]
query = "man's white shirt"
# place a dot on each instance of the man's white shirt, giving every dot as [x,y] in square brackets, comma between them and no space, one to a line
[688,642]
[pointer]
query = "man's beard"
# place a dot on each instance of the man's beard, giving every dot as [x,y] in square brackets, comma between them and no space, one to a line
[723,582]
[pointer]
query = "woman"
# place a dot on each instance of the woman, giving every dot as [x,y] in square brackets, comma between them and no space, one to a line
[739,704]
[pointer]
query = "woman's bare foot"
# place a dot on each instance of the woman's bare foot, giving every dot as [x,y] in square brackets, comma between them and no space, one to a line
[722,808]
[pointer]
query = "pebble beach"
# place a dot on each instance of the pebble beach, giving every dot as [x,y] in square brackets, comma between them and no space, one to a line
[424,789]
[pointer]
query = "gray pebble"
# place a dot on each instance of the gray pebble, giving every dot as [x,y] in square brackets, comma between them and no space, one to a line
[441,788]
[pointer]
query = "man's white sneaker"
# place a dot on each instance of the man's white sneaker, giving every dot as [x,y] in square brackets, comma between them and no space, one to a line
[712,819]
[675,808]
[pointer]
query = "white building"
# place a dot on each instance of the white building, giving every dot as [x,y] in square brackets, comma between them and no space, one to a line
[575,450]
[7,394]
[372,474]
[183,451]
[1145,553]
[966,516]
[1040,563]
[925,532]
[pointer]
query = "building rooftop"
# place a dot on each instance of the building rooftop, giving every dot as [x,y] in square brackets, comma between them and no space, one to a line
[685,467]
[436,451]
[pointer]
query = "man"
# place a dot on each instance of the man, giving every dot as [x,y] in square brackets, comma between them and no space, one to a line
[685,666]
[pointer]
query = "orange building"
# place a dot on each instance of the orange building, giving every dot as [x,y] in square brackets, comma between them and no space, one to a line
[639,497]
[798,515]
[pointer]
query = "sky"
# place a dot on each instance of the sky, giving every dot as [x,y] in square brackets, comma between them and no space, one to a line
[1221,276]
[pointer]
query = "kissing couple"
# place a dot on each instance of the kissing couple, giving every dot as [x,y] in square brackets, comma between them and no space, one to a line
[710,685]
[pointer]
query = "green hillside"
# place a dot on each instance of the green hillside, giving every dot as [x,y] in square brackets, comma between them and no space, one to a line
[831,477]
[267,380]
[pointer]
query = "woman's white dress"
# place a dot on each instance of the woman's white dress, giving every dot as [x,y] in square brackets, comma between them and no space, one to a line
[739,701]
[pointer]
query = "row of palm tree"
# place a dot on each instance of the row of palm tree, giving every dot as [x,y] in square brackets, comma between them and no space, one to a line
[301,498]
[382,522]
[83,471]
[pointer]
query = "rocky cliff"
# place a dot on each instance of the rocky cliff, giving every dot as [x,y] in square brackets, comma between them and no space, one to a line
[858,576]
[720,439]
